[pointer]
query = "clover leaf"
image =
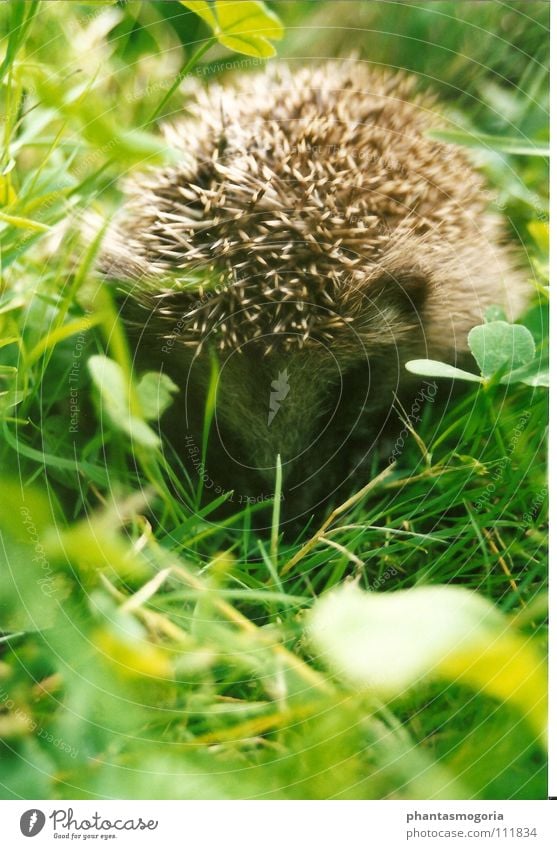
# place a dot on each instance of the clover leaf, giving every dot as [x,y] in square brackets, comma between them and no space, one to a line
[498,344]
[246,26]
[153,394]
[503,351]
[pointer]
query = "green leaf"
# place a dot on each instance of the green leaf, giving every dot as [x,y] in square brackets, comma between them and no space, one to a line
[23,223]
[114,393]
[155,391]
[203,9]
[249,45]
[499,344]
[243,17]
[246,26]
[390,642]
[434,368]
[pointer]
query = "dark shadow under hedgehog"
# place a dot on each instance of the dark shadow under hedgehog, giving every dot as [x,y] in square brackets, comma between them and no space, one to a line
[312,240]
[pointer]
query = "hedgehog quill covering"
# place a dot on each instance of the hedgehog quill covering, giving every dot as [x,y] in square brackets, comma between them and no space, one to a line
[315,238]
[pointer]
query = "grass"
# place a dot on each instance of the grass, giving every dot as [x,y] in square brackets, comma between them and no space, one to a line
[149,648]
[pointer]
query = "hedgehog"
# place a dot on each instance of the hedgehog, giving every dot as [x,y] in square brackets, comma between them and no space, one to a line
[311,238]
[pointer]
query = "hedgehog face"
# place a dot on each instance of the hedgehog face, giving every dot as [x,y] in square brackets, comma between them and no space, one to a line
[311,378]
[313,238]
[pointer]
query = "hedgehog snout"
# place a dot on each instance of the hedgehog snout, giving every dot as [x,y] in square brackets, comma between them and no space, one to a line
[271,405]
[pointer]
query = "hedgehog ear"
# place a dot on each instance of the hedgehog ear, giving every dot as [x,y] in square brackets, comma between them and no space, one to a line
[406,286]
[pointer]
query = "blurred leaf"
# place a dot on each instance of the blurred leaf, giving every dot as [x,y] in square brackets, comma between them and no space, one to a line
[531,375]
[155,391]
[539,230]
[203,9]
[10,340]
[502,144]
[132,654]
[494,313]
[389,642]
[110,381]
[94,545]
[78,325]
[30,587]
[7,192]
[30,590]
[23,223]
